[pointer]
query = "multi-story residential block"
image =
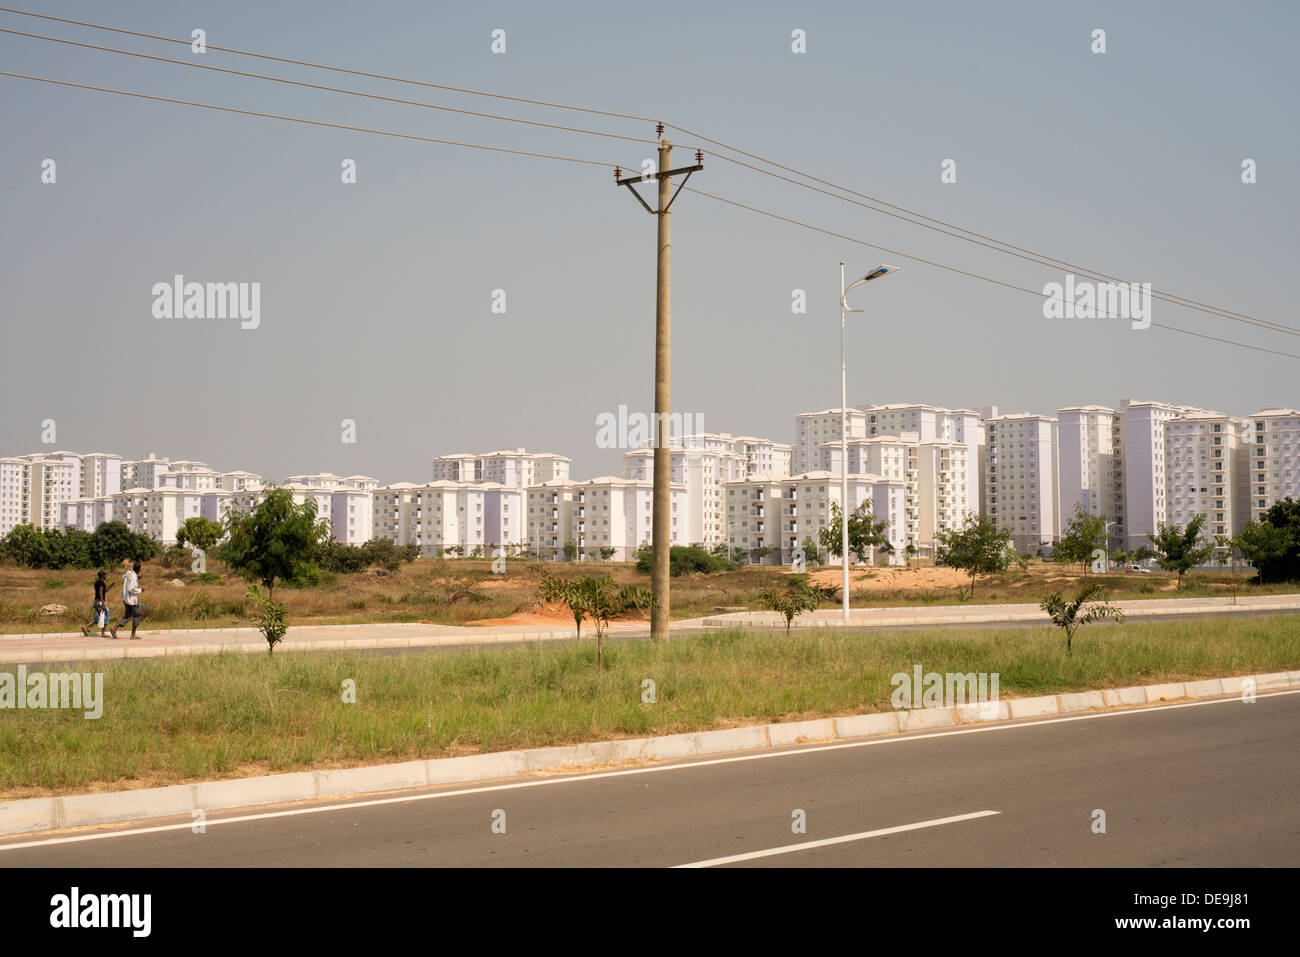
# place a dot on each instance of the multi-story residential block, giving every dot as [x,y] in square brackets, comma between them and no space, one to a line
[101,474]
[1207,464]
[239,481]
[329,480]
[934,423]
[813,429]
[15,482]
[473,516]
[146,472]
[1273,459]
[704,473]
[936,477]
[513,468]
[1146,480]
[1091,457]
[605,516]
[777,516]
[1020,478]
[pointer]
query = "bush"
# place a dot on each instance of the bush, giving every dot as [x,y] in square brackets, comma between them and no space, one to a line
[683,560]
[53,583]
[206,578]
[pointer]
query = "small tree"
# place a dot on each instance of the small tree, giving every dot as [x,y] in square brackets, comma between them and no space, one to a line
[791,601]
[1226,553]
[274,540]
[978,547]
[607,552]
[570,550]
[865,533]
[1181,551]
[1083,535]
[271,616]
[1087,605]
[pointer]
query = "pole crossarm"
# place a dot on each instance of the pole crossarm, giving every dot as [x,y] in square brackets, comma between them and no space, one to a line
[631,181]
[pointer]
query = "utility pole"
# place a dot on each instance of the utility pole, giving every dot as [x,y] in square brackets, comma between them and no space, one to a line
[661,513]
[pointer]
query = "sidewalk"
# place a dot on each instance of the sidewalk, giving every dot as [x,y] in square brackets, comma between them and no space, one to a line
[160,642]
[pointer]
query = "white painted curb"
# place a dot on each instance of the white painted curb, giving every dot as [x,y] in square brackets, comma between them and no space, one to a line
[47,814]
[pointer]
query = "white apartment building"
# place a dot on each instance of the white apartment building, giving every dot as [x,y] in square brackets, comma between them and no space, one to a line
[600,513]
[328,480]
[34,487]
[813,429]
[704,473]
[1146,480]
[101,474]
[1207,463]
[239,481]
[513,468]
[440,515]
[934,423]
[755,455]
[146,472]
[1020,477]
[1091,457]
[781,514]
[1273,459]
[936,477]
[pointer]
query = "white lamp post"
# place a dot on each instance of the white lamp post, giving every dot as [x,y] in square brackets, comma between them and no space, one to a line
[844,429]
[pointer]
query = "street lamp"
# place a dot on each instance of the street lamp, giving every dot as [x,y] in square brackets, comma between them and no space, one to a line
[844,429]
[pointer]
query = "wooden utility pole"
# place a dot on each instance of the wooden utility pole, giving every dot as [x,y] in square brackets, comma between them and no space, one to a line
[661,515]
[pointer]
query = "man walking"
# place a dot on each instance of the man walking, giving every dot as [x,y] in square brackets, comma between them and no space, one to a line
[101,606]
[130,599]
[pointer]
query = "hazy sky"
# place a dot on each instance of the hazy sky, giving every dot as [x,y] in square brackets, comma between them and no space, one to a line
[376,296]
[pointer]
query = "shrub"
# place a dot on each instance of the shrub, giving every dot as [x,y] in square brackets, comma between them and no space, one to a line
[206,578]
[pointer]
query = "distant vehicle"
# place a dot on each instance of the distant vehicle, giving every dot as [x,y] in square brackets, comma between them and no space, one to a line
[1137,568]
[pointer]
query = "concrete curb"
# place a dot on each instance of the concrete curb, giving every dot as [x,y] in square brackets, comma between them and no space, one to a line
[80,810]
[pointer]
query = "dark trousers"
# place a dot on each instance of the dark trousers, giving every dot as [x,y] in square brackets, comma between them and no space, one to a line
[130,613]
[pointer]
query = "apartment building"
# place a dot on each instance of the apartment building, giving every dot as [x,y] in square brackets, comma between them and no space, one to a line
[753,455]
[936,477]
[146,472]
[935,423]
[101,474]
[1091,456]
[703,472]
[1207,463]
[329,480]
[1020,477]
[780,514]
[1273,459]
[813,429]
[440,515]
[1146,478]
[513,468]
[605,514]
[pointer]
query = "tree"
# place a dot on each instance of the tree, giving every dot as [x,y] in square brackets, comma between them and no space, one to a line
[1084,534]
[1279,557]
[570,550]
[791,601]
[1087,605]
[200,532]
[271,617]
[978,547]
[1263,545]
[865,532]
[1181,551]
[811,554]
[275,540]
[596,598]
[607,552]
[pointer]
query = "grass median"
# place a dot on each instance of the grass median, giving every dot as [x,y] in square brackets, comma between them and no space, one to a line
[204,717]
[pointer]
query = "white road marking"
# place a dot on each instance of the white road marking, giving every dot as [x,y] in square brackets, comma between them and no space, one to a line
[600,775]
[847,838]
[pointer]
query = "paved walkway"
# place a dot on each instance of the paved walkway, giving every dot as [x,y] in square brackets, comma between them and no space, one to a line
[157,643]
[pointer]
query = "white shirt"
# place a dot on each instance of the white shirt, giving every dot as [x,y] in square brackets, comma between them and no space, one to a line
[130,587]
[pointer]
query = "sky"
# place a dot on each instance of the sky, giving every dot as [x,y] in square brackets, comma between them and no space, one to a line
[376,297]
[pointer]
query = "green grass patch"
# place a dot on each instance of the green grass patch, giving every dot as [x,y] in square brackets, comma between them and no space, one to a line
[174,720]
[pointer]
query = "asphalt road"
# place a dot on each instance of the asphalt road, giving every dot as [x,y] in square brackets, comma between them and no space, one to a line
[1202,784]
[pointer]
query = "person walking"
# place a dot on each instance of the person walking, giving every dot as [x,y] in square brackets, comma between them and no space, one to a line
[130,599]
[101,606]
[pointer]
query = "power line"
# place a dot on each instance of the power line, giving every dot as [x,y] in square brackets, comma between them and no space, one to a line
[331,89]
[963,272]
[586,162]
[299,119]
[1010,249]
